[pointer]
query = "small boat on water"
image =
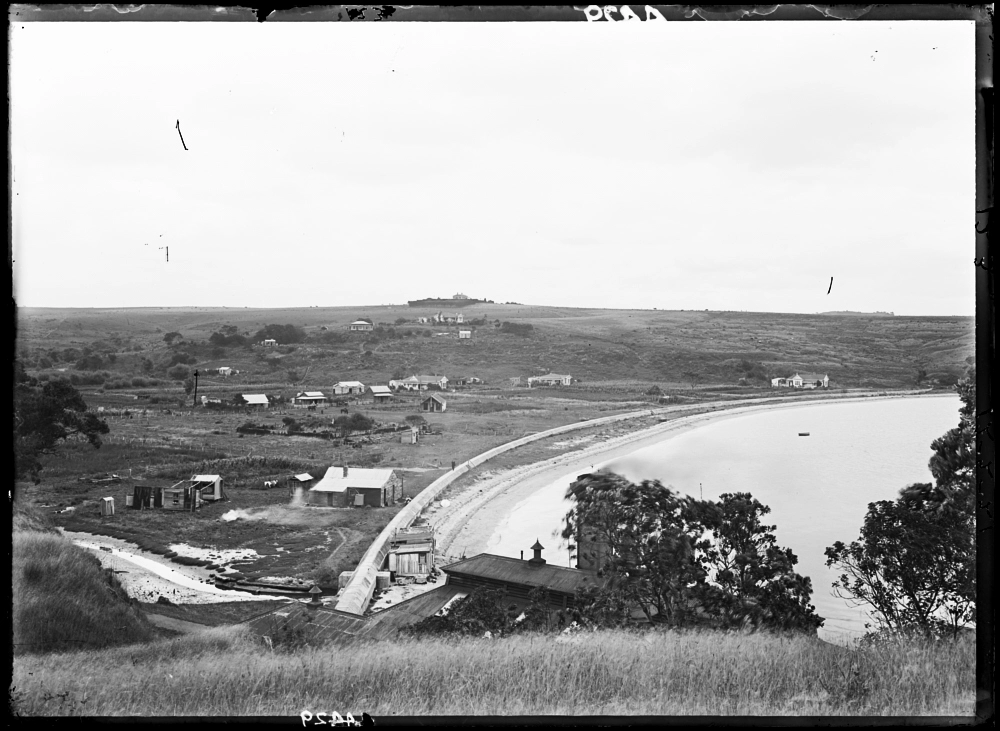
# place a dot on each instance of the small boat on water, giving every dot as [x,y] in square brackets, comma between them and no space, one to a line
[803,433]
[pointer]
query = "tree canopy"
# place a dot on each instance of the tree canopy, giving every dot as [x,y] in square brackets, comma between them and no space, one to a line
[284,334]
[914,563]
[44,415]
[683,561]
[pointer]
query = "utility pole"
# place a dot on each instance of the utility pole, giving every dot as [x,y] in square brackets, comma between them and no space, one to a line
[195,386]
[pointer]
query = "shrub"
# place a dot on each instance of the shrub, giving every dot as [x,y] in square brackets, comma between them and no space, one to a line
[179,372]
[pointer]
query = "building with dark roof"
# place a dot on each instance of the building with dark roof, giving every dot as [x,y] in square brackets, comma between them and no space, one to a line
[518,577]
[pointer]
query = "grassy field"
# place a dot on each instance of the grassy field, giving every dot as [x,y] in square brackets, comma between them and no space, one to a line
[627,348]
[694,357]
[224,671]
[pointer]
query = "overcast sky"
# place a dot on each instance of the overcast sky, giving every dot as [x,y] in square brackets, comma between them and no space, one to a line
[691,165]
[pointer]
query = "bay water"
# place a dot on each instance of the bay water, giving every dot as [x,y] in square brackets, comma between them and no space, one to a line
[817,486]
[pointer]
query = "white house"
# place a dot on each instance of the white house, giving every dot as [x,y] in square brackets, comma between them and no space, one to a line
[361,326]
[465,334]
[269,343]
[550,379]
[309,398]
[354,388]
[808,380]
[419,383]
[255,399]
[225,371]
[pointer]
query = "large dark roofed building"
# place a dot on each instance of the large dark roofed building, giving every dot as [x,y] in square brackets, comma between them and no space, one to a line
[518,577]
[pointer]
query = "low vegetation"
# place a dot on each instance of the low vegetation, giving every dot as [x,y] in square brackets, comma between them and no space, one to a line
[225,671]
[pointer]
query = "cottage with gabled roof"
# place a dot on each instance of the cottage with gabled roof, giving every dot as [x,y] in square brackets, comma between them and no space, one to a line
[434,403]
[354,388]
[361,326]
[380,394]
[309,398]
[343,487]
[255,399]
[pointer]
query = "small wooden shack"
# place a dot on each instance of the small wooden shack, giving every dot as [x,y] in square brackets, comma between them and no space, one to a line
[411,553]
[181,497]
[144,497]
[210,487]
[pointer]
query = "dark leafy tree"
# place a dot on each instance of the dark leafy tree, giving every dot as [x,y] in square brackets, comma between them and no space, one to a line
[226,338]
[754,579]
[284,334]
[45,415]
[92,362]
[356,422]
[652,541]
[179,372]
[914,562]
[169,338]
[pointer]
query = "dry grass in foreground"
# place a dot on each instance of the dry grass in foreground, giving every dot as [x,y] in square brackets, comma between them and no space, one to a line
[224,671]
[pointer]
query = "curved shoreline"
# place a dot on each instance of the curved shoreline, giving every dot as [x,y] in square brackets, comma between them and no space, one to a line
[473,517]
[354,598]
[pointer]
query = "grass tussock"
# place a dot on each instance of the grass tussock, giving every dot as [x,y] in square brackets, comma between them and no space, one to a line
[227,672]
[63,600]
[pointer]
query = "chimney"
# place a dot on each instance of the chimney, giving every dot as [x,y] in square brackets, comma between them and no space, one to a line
[522,555]
[537,558]
[345,470]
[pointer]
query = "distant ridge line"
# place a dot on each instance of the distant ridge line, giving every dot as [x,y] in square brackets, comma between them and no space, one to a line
[863,314]
[451,302]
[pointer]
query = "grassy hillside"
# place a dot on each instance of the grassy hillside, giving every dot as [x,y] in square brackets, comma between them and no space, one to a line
[62,599]
[673,349]
[225,672]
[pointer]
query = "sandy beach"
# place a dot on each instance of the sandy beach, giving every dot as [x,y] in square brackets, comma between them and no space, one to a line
[465,526]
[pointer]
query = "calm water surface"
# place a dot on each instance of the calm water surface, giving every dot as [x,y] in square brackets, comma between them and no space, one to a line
[818,487]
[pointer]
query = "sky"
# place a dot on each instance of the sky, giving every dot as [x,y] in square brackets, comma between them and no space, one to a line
[695,165]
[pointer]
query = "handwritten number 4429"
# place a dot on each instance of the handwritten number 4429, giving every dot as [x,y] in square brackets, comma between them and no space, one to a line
[335,719]
[596,12]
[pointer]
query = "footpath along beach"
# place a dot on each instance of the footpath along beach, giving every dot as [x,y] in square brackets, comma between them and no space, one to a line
[474,514]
